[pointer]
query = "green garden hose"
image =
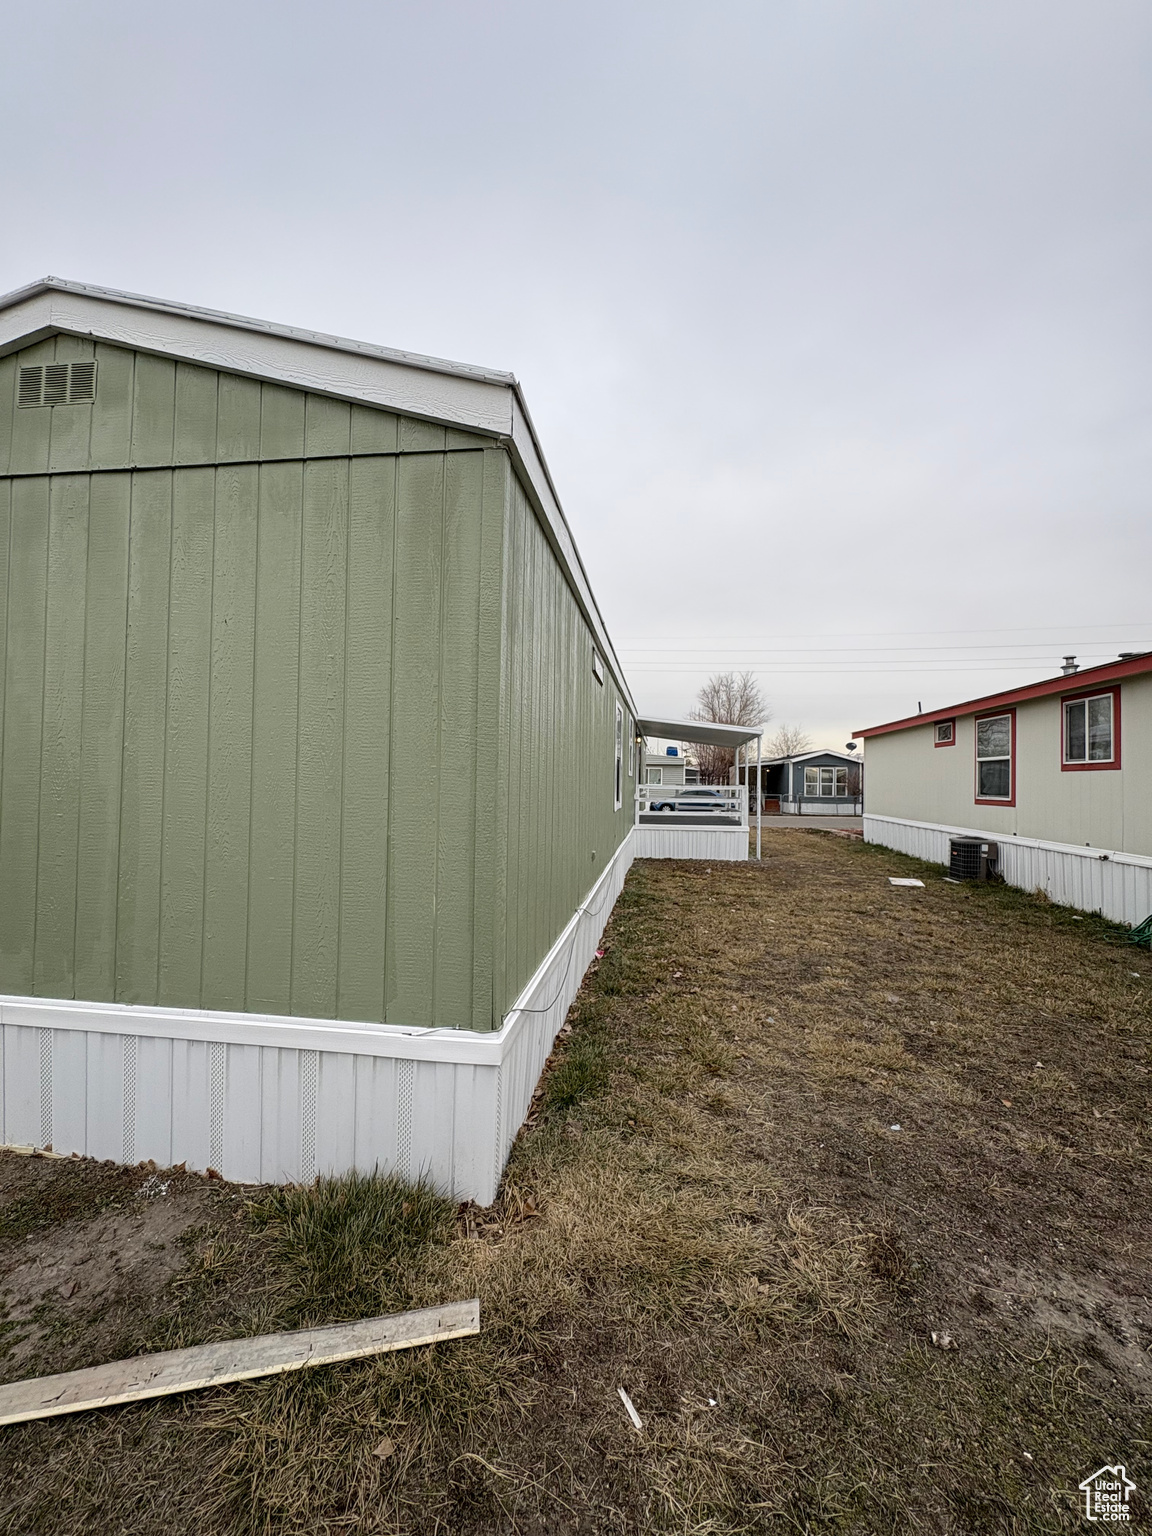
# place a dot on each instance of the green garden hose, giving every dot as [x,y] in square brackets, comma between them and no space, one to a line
[1142,935]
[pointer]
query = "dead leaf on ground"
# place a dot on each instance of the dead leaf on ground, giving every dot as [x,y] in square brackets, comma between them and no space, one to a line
[384,1449]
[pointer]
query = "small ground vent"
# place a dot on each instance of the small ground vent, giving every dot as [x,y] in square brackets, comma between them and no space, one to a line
[58,383]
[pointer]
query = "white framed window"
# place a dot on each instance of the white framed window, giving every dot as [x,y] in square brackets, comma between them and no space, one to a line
[1089,729]
[631,749]
[945,735]
[655,775]
[618,779]
[994,757]
[825,783]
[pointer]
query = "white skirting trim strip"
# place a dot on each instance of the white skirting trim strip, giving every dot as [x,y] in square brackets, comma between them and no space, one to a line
[269,1099]
[1117,885]
[672,842]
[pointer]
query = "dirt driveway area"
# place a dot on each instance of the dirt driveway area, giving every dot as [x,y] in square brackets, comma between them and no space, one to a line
[846,1185]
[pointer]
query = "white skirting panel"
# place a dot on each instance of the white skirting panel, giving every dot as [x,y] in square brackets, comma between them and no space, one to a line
[1117,885]
[829,807]
[672,842]
[265,1099]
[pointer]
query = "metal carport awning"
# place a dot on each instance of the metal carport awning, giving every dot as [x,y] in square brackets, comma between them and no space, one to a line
[701,730]
[716,735]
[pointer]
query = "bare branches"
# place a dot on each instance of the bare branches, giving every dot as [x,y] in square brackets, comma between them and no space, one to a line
[729,698]
[787,741]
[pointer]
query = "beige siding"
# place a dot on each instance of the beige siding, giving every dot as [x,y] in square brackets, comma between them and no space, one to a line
[908,776]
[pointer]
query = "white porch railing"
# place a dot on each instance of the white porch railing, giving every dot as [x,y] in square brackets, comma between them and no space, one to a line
[692,805]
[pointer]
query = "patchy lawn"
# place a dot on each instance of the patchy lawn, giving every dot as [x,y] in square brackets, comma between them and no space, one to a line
[713,1208]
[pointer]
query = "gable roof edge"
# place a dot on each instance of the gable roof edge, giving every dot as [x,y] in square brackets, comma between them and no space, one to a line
[456,394]
[1067,682]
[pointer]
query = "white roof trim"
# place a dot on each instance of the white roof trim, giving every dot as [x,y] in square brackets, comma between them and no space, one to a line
[247,323]
[476,399]
[799,757]
[715,734]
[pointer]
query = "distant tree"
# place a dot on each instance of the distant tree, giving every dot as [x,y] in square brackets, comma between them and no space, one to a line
[787,741]
[728,698]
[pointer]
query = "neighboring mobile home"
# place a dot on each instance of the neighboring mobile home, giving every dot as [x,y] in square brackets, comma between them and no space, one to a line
[317,762]
[671,766]
[1058,773]
[822,783]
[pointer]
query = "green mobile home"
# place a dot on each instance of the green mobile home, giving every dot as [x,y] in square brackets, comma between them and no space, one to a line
[316,762]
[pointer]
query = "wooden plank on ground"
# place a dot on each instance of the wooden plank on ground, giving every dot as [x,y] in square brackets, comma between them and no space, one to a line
[212,1365]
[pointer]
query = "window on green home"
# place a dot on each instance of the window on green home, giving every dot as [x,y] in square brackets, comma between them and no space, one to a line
[618,771]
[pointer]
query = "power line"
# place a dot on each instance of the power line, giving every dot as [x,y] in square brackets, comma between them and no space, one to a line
[896,668]
[1060,631]
[839,650]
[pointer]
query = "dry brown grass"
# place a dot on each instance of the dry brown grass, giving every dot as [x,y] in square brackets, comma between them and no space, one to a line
[712,1211]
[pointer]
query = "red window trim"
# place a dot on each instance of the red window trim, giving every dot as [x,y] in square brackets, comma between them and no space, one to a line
[1092,693]
[994,714]
[950,743]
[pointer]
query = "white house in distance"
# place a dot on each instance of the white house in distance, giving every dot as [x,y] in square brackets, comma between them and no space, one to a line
[1058,773]
[669,765]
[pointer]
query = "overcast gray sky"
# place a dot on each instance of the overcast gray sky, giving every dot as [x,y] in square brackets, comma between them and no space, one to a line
[833,315]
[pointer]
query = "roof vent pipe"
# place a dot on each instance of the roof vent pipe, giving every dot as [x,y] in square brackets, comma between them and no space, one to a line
[1069,666]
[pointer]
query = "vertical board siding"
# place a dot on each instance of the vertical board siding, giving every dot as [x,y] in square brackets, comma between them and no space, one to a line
[145,714]
[6,489]
[153,410]
[186,738]
[275,694]
[281,422]
[415,739]
[238,418]
[230,738]
[558,752]
[456,757]
[23,722]
[205,797]
[367,692]
[60,755]
[320,740]
[110,436]
[316,736]
[489,839]
[102,735]
[196,395]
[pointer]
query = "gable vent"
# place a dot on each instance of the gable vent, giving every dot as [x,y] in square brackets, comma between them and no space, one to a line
[58,383]
[81,382]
